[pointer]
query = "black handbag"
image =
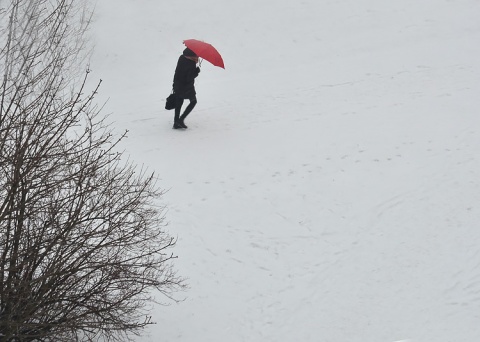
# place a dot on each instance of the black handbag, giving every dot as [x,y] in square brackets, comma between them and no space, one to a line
[170,103]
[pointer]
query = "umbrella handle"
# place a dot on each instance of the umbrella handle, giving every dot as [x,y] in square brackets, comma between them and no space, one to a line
[200,60]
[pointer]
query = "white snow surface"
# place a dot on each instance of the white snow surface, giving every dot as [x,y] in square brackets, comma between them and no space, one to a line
[328,186]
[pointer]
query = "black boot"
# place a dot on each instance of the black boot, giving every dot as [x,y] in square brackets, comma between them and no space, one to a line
[176,119]
[177,122]
[176,125]
[181,122]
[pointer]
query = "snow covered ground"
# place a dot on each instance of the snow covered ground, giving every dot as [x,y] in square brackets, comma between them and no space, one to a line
[328,186]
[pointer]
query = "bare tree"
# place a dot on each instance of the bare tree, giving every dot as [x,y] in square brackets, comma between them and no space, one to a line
[82,245]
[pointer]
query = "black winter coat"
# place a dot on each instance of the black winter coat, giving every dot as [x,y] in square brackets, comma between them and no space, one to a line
[184,78]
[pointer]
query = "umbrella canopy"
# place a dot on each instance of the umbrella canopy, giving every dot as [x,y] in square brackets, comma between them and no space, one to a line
[205,51]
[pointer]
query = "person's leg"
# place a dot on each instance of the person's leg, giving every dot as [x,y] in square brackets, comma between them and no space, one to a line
[178,108]
[191,105]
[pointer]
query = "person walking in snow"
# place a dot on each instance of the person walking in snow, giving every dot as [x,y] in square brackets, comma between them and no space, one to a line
[184,86]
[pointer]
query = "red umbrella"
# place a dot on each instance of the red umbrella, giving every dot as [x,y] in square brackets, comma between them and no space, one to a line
[205,51]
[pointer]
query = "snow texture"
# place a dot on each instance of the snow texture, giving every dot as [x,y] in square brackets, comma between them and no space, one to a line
[328,186]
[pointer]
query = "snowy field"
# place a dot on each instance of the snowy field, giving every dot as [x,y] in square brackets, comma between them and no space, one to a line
[328,186]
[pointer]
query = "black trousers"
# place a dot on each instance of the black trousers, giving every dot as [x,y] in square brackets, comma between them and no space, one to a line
[178,106]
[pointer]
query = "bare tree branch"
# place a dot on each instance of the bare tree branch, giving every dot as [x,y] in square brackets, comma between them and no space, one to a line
[82,243]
